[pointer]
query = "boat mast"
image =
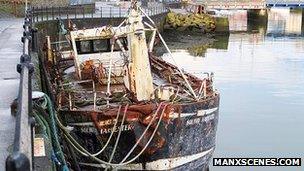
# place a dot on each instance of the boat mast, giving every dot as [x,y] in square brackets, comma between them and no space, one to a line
[138,77]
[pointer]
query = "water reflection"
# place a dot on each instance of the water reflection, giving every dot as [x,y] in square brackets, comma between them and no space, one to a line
[282,21]
[274,22]
[237,20]
[260,76]
[219,42]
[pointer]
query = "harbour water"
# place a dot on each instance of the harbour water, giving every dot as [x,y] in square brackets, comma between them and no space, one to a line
[259,70]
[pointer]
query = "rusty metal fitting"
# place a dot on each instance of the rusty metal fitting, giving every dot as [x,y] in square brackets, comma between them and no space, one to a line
[26,37]
[19,68]
[25,58]
[31,67]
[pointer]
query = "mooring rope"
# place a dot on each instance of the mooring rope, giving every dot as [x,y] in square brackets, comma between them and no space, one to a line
[46,132]
[84,152]
[143,149]
[53,130]
[119,133]
[112,133]
[152,136]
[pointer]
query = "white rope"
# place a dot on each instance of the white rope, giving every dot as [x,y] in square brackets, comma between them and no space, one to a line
[84,152]
[112,133]
[118,136]
[152,136]
[109,139]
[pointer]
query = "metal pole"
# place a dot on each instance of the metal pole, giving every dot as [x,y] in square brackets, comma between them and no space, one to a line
[25,7]
[53,13]
[42,13]
[110,12]
[92,13]
[101,12]
[59,12]
[83,12]
[47,13]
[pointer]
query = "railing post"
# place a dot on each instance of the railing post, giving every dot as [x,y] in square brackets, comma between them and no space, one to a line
[34,40]
[37,14]
[47,13]
[40,13]
[83,12]
[119,12]
[101,12]
[110,12]
[67,12]
[32,11]
[52,11]
[59,11]
[75,12]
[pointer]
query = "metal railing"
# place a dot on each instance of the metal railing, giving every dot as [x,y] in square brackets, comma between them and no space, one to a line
[81,12]
[21,158]
[249,4]
[286,3]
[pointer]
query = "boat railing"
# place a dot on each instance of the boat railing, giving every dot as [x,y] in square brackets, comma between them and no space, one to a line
[21,157]
[70,95]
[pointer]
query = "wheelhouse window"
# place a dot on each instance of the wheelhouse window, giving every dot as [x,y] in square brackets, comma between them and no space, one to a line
[85,46]
[98,45]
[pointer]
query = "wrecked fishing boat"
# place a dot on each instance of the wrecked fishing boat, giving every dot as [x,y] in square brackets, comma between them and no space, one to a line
[121,107]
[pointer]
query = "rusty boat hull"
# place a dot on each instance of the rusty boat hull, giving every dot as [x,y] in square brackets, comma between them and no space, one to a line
[185,138]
